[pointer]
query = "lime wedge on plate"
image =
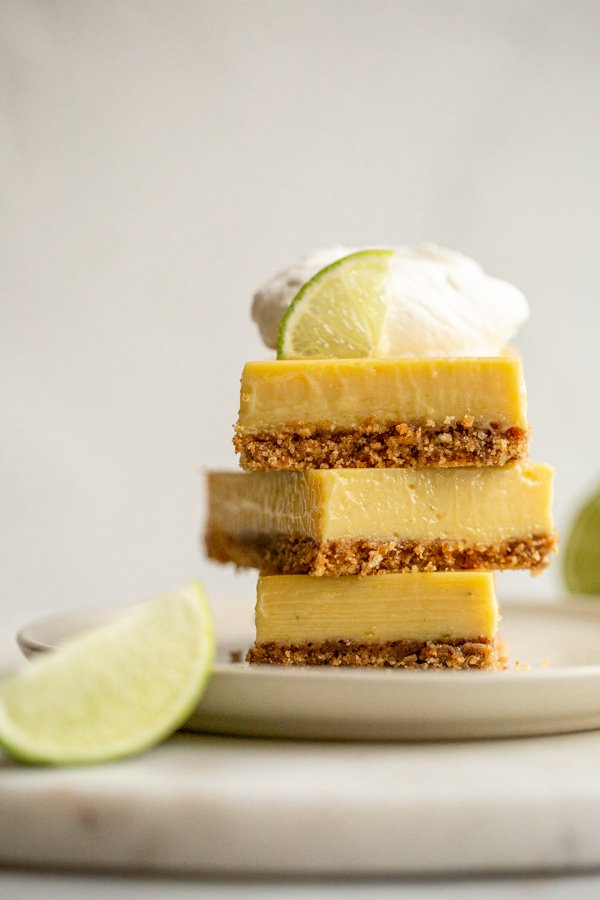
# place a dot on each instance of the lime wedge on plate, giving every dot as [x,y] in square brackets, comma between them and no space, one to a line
[581,564]
[339,313]
[114,690]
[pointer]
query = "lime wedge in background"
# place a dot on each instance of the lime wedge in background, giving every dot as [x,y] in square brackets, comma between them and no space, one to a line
[581,564]
[339,313]
[114,690]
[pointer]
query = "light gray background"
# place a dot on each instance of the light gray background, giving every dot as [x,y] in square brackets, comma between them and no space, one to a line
[160,159]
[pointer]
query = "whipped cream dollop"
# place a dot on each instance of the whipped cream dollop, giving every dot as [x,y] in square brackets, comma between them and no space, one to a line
[438,303]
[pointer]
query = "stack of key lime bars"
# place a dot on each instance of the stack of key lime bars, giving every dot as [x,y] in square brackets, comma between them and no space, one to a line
[386,464]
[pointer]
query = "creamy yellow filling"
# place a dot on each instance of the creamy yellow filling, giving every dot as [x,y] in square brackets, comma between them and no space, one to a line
[480,506]
[346,393]
[422,607]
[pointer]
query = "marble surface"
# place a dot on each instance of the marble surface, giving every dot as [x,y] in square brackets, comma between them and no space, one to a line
[214,805]
[17,885]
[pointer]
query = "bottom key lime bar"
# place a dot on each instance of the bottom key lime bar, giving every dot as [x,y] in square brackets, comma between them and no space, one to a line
[440,620]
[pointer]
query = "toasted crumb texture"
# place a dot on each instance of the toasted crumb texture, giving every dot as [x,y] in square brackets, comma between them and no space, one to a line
[282,555]
[458,654]
[446,444]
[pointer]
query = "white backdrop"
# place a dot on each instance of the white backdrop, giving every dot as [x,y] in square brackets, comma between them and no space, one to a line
[160,159]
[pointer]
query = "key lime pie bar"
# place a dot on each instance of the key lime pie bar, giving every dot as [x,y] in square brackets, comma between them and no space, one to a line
[389,439]
[385,359]
[445,620]
[361,521]
[355,413]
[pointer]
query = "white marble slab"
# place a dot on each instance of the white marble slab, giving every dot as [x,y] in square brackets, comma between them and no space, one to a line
[20,885]
[224,805]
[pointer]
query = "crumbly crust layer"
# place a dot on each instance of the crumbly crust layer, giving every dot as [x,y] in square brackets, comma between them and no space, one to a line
[372,445]
[281,555]
[457,654]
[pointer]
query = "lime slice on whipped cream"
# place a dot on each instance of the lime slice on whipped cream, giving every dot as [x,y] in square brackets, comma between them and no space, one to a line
[581,564]
[115,690]
[340,312]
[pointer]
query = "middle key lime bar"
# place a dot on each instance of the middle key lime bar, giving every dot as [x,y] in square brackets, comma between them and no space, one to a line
[364,521]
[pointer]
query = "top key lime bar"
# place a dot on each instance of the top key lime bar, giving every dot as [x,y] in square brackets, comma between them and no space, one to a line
[382,413]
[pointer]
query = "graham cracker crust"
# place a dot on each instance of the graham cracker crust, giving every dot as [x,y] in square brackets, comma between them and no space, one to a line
[372,445]
[281,555]
[456,654]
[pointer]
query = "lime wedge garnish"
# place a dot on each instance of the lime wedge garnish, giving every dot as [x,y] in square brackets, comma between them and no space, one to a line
[581,564]
[339,313]
[114,690]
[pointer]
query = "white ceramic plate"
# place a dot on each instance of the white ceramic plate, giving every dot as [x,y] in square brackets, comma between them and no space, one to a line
[555,687]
